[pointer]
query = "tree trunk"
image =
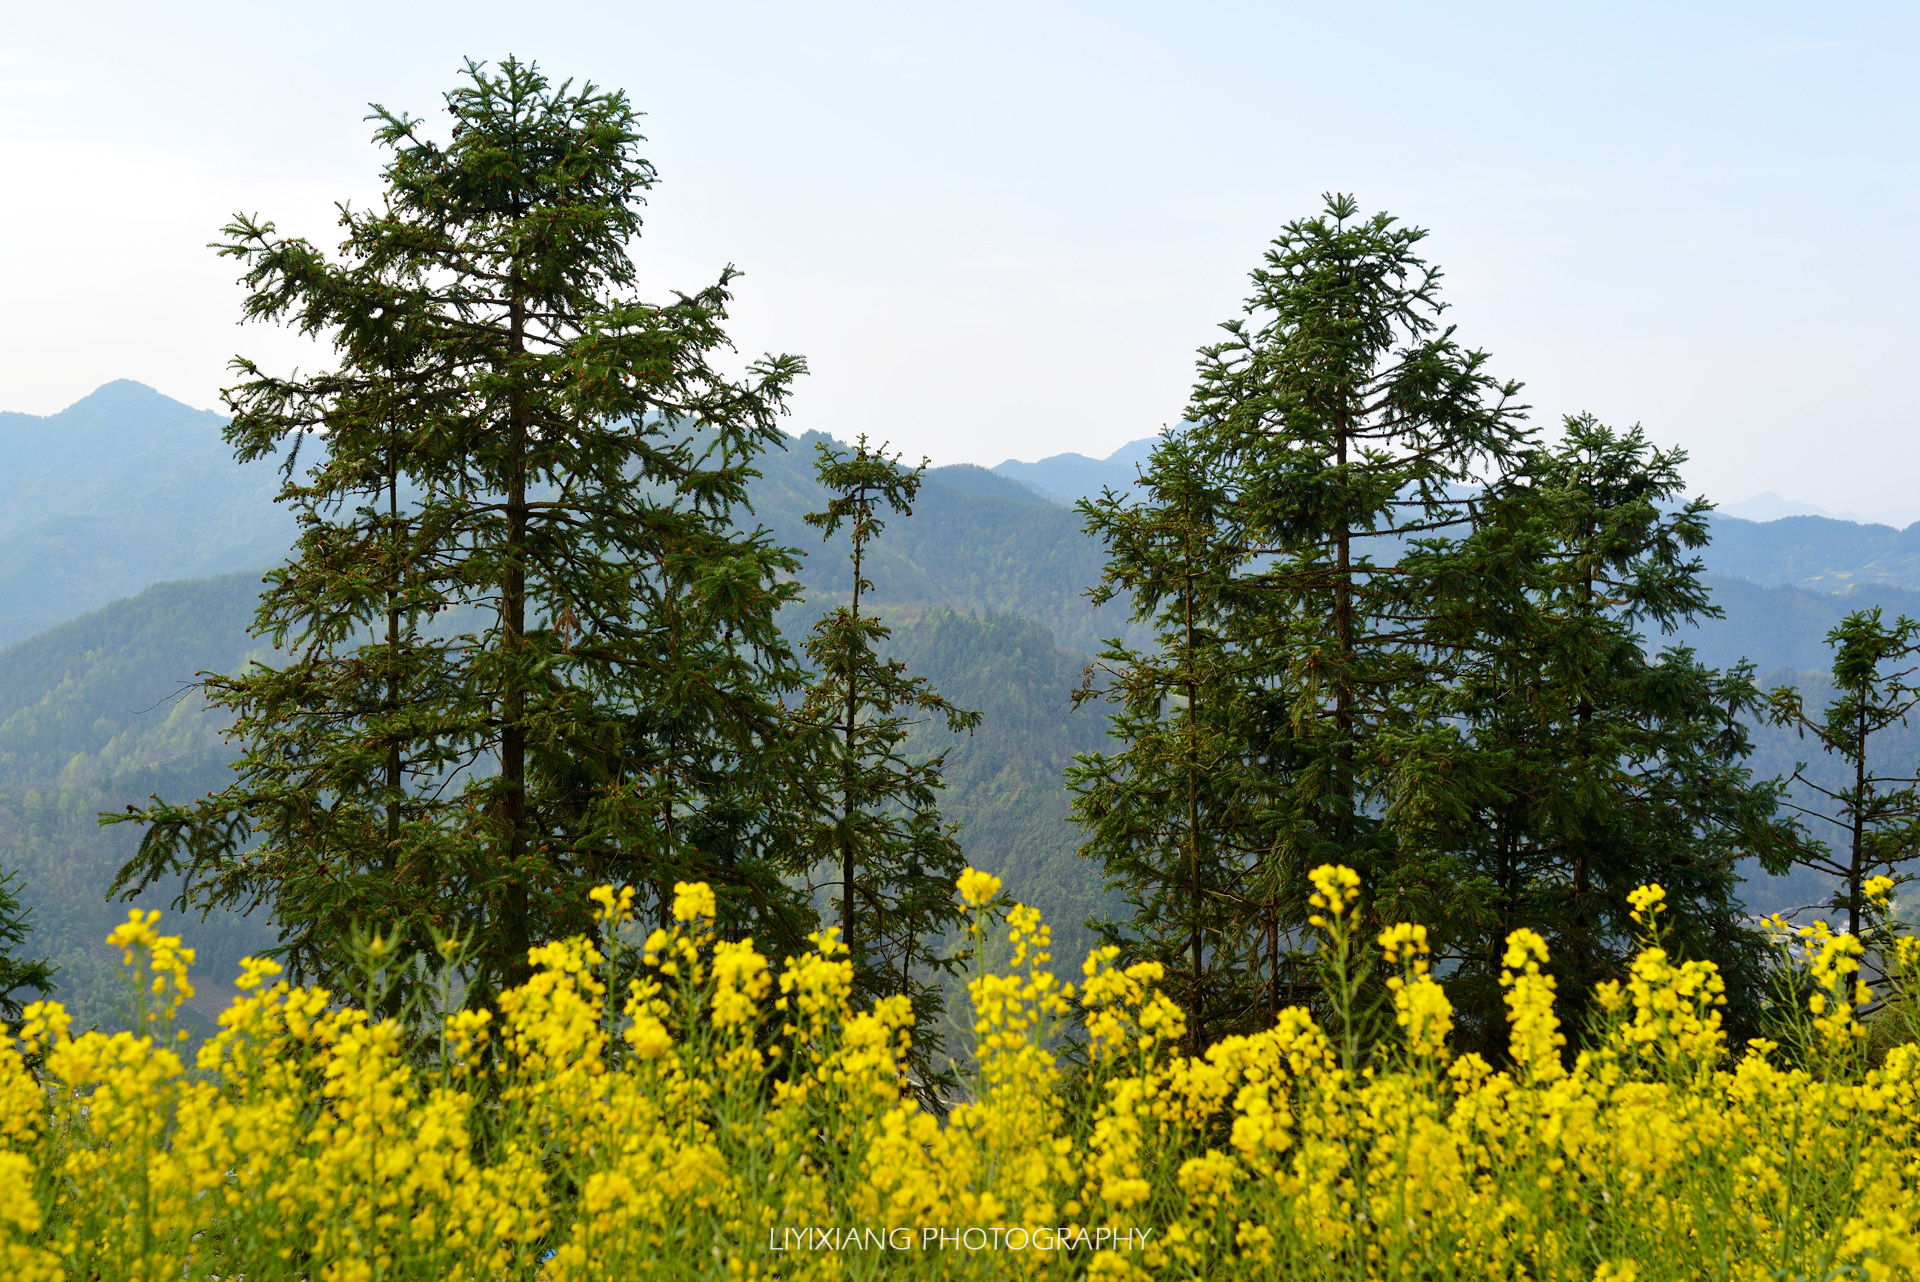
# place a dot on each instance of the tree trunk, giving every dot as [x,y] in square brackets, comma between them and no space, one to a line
[1856,874]
[1196,1033]
[393,659]
[513,632]
[1343,683]
[846,764]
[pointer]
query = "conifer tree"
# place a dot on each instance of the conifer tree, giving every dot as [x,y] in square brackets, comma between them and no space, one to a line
[1343,420]
[1175,816]
[1585,765]
[526,648]
[1870,825]
[1330,434]
[16,972]
[880,832]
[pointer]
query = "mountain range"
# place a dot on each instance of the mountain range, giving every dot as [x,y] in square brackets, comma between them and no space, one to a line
[131,549]
[119,490]
[1067,477]
[1769,506]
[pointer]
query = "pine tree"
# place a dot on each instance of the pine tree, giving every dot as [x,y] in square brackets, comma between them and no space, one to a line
[527,649]
[1872,821]
[881,830]
[1587,766]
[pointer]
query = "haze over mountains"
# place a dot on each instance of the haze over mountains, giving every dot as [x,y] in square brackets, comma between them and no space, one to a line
[127,487]
[1768,506]
[119,490]
[131,547]
[1067,477]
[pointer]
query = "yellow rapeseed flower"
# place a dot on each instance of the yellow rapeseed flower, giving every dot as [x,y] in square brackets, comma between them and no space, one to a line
[978,889]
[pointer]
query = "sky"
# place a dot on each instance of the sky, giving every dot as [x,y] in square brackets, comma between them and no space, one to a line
[1003,230]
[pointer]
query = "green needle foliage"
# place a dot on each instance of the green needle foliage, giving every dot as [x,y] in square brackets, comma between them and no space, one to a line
[1343,418]
[527,647]
[1582,766]
[880,828]
[17,973]
[1176,816]
[1394,632]
[1330,432]
[1872,821]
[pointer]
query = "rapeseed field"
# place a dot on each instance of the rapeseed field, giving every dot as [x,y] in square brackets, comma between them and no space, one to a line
[674,1106]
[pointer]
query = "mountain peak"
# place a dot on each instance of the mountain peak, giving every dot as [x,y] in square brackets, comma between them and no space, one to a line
[1065,478]
[114,400]
[123,397]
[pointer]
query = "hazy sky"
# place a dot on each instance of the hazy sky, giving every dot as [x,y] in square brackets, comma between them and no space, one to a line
[1002,230]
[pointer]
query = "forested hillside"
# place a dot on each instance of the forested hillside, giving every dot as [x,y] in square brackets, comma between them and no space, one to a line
[95,715]
[1783,626]
[102,699]
[1816,552]
[984,584]
[127,488]
[976,541]
[1004,779]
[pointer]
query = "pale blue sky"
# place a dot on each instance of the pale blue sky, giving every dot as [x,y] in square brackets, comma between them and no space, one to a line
[1002,230]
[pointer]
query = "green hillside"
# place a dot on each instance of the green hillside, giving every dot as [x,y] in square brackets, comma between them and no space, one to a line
[1815,552]
[99,700]
[94,715]
[1004,780]
[1777,752]
[1783,626]
[977,541]
[127,488]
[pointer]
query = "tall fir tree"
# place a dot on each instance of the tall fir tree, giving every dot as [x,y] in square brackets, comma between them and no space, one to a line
[527,649]
[1175,816]
[879,835]
[1586,766]
[1396,633]
[1331,432]
[1344,420]
[1868,826]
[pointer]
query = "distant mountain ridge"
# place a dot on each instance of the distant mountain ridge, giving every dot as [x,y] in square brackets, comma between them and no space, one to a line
[1768,506]
[1766,539]
[978,541]
[1066,478]
[127,487]
[122,489]
[1815,552]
